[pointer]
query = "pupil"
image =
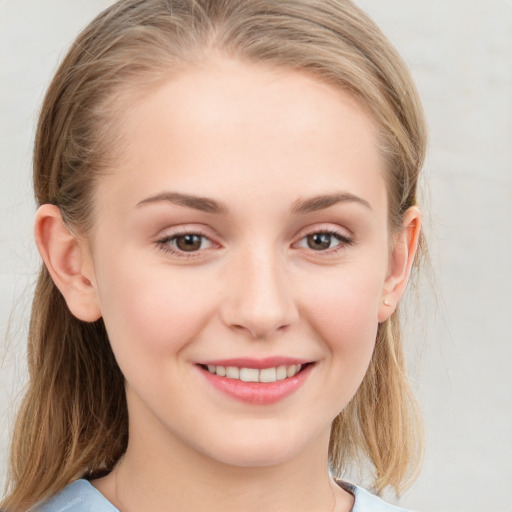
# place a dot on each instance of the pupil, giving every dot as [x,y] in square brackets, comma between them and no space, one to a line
[188,242]
[319,241]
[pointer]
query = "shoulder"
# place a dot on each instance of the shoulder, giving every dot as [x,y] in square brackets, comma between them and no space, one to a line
[78,496]
[366,501]
[81,496]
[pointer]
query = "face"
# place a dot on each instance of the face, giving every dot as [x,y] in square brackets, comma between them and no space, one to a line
[242,232]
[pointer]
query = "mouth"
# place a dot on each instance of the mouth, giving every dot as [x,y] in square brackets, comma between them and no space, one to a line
[257,382]
[263,375]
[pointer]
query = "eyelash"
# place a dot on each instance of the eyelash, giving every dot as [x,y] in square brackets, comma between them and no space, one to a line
[165,243]
[343,241]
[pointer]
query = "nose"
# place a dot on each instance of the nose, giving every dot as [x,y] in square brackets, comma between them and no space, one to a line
[260,299]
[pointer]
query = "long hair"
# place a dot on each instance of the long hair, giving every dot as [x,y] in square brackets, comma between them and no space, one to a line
[73,420]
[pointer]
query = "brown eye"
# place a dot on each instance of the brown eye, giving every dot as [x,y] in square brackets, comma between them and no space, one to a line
[324,242]
[319,241]
[188,243]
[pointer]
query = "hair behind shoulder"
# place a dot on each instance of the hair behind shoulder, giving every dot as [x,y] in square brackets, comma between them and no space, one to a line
[73,421]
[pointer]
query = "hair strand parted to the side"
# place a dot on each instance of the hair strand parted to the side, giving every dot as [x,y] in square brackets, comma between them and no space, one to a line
[73,421]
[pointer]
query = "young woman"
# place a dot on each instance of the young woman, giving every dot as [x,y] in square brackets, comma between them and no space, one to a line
[228,220]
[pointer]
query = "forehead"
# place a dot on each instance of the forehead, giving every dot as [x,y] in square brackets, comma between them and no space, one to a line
[229,124]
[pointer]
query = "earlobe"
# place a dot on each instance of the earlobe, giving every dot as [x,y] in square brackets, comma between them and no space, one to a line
[68,261]
[402,257]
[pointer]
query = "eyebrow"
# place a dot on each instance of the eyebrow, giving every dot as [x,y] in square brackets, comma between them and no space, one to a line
[321,202]
[203,204]
[208,205]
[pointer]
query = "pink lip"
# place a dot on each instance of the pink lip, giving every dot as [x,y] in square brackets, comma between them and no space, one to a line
[257,363]
[257,393]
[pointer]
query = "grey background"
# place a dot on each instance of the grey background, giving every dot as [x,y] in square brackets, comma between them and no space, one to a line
[460,343]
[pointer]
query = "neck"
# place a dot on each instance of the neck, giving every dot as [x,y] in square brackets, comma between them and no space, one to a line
[151,481]
[159,472]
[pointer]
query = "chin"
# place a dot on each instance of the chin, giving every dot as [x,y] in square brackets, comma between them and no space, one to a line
[262,449]
[255,459]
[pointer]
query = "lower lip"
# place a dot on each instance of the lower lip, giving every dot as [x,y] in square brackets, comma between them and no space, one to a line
[258,393]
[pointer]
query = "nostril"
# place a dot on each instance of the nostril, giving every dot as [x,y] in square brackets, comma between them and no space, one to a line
[261,310]
[259,331]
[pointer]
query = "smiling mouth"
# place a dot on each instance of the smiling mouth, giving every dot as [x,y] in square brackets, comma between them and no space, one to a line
[265,375]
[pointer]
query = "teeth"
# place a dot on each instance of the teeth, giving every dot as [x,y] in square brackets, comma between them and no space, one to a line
[292,370]
[268,375]
[254,375]
[249,374]
[232,372]
[281,373]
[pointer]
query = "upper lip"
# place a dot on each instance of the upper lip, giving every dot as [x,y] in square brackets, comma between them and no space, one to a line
[257,363]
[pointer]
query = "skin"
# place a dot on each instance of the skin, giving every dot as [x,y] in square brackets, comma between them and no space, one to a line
[258,142]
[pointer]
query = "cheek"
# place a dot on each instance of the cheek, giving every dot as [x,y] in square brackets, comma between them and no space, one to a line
[344,311]
[343,315]
[150,313]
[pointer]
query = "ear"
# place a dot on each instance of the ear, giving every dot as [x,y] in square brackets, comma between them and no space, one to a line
[68,261]
[405,245]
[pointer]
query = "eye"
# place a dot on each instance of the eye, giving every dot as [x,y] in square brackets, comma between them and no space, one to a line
[185,243]
[323,241]
[190,242]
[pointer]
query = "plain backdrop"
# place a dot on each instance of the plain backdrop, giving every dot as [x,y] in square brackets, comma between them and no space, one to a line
[460,341]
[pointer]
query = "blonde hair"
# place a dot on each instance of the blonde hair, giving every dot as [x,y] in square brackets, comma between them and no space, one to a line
[73,420]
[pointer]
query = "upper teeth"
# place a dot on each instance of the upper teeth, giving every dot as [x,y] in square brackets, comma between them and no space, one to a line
[253,374]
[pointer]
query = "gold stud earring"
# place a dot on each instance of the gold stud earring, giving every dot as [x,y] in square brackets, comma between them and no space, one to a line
[387,302]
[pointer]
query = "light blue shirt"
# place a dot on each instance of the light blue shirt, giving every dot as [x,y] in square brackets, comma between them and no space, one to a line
[81,496]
